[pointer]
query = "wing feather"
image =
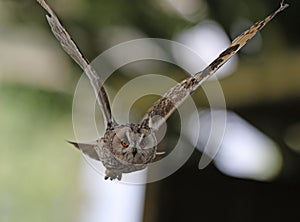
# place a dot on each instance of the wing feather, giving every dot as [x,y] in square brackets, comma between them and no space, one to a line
[175,96]
[73,51]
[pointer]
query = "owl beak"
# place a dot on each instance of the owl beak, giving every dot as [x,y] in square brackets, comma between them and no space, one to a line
[134,151]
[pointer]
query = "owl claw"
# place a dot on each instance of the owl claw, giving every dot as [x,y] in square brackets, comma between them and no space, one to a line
[112,175]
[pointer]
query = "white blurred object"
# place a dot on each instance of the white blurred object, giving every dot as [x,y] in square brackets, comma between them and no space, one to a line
[191,10]
[245,152]
[186,7]
[248,153]
[208,40]
[111,201]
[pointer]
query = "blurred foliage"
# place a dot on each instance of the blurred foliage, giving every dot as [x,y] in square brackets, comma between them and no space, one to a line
[37,168]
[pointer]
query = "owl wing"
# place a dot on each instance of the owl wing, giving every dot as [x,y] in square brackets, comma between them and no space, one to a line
[73,51]
[166,105]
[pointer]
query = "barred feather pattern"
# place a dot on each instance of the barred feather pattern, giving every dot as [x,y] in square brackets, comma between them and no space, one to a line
[167,104]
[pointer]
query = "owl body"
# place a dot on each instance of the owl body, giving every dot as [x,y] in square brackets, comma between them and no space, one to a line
[125,149]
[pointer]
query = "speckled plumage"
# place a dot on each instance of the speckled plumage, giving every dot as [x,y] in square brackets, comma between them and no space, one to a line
[131,147]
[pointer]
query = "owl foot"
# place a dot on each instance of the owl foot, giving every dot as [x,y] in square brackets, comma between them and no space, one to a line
[112,175]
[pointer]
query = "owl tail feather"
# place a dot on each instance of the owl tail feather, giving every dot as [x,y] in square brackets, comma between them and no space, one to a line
[87,148]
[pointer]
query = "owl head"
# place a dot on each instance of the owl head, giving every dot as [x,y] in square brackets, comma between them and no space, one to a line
[132,144]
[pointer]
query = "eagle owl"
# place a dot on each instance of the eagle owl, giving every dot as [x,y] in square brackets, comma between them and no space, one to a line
[131,147]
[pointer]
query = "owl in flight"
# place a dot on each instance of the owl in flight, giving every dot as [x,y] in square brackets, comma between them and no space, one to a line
[126,148]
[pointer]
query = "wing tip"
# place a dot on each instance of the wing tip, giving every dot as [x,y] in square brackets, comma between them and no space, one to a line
[283,5]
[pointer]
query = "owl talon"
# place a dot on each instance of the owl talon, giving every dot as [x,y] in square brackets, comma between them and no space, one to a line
[112,175]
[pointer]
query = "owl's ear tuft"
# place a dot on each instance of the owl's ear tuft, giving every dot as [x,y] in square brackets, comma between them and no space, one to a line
[87,148]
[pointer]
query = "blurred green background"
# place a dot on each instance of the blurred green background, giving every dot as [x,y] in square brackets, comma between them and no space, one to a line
[39,171]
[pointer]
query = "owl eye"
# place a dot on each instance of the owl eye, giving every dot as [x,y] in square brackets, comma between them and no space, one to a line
[124,144]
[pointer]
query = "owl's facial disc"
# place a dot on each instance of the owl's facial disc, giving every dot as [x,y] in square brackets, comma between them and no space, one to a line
[133,145]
